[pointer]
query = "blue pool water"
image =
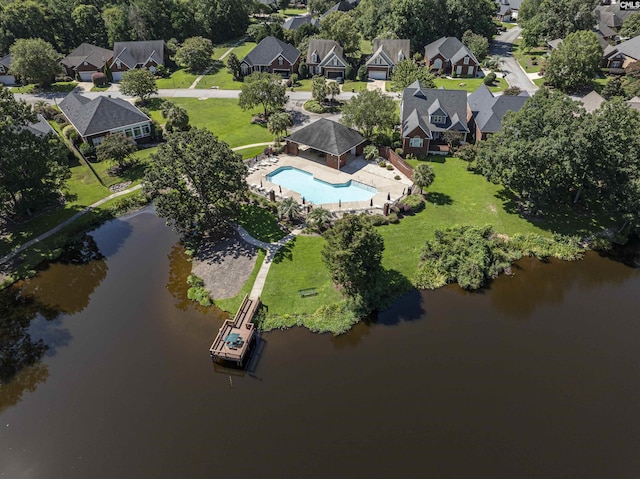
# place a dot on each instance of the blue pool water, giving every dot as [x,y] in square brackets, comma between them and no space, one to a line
[317,191]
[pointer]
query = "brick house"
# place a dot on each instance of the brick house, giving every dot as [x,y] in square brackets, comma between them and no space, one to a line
[86,60]
[326,57]
[271,55]
[486,111]
[132,55]
[387,53]
[451,56]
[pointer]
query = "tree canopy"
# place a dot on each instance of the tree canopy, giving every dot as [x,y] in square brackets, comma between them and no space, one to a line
[575,62]
[407,72]
[477,44]
[32,168]
[139,82]
[197,180]
[195,54]
[370,110]
[631,26]
[339,26]
[116,147]
[35,61]
[262,89]
[353,254]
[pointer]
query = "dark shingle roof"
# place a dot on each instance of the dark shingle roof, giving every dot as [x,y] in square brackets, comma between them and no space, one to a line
[327,136]
[488,110]
[90,53]
[99,115]
[6,61]
[268,50]
[293,23]
[390,49]
[419,103]
[40,127]
[450,48]
[134,53]
[630,48]
[344,6]
[611,15]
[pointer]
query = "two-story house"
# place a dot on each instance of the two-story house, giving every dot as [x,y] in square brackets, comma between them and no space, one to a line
[451,56]
[86,60]
[326,57]
[387,53]
[486,111]
[427,113]
[271,55]
[131,55]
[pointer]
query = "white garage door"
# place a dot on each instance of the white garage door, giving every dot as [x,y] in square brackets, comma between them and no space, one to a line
[7,79]
[377,75]
[86,76]
[117,76]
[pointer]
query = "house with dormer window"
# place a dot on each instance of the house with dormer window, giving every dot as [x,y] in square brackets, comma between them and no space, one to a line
[326,58]
[427,113]
[387,53]
[133,55]
[271,55]
[6,78]
[451,56]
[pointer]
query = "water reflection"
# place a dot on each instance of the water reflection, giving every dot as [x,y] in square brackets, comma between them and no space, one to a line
[72,279]
[26,381]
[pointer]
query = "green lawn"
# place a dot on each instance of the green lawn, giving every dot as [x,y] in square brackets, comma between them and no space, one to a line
[260,224]
[508,25]
[100,88]
[538,81]
[133,174]
[178,79]
[293,12]
[457,196]
[469,84]
[251,151]
[366,47]
[57,87]
[354,85]
[527,57]
[222,116]
[219,76]
[244,48]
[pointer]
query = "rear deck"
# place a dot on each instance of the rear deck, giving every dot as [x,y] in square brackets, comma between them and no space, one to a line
[236,336]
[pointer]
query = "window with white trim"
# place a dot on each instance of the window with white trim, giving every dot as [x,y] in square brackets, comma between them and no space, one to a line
[378,61]
[416,142]
[437,118]
[280,61]
[437,63]
[466,60]
[244,68]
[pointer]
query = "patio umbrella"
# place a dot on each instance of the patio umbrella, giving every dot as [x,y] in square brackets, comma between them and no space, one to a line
[303,200]
[388,196]
[260,182]
[371,202]
[339,203]
[403,190]
[280,188]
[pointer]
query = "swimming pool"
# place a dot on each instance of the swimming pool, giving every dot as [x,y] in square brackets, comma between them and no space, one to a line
[317,191]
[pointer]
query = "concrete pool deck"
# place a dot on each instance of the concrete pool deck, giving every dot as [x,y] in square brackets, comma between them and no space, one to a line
[357,169]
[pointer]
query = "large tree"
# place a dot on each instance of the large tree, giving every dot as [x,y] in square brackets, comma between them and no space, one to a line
[35,60]
[631,26]
[555,19]
[575,62]
[353,254]
[139,82]
[477,44]
[407,72]
[198,181]
[195,54]
[278,123]
[89,25]
[318,7]
[32,168]
[262,89]
[116,147]
[423,176]
[338,26]
[23,19]
[370,110]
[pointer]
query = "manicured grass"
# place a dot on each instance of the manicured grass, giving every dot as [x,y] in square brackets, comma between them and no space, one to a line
[303,85]
[222,116]
[508,25]
[538,81]
[260,223]
[232,304]
[251,152]
[526,57]
[219,77]
[57,87]
[100,88]
[457,196]
[299,266]
[244,48]
[178,79]
[366,47]
[293,12]
[358,86]
[599,83]
[469,84]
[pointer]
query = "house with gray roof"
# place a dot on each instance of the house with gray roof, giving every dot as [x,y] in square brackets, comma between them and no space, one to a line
[271,55]
[97,118]
[387,53]
[334,139]
[127,56]
[486,111]
[86,60]
[612,15]
[343,6]
[427,113]
[293,23]
[622,54]
[326,57]
[6,78]
[451,56]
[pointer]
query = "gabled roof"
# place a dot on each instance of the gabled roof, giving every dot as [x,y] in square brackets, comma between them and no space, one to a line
[449,48]
[630,48]
[344,6]
[293,23]
[489,110]
[327,136]
[553,44]
[515,4]
[268,50]
[605,30]
[40,127]
[592,101]
[611,15]
[390,50]
[134,53]
[99,115]
[324,49]
[6,61]
[91,54]
[504,9]
[634,103]
[417,101]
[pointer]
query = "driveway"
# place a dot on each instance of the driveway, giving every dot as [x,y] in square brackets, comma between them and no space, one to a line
[514,74]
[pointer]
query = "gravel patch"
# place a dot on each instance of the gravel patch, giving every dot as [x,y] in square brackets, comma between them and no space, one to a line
[225,266]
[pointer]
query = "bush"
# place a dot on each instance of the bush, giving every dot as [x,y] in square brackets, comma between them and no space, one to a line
[162,71]
[489,79]
[389,167]
[382,164]
[362,73]
[294,79]
[397,177]
[69,130]
[350,73]
[399,151]
[99,79]
[87,150]
[314,107]
[197,292]
[415,203]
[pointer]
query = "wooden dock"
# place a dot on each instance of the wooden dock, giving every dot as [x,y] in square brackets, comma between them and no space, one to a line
[236,337]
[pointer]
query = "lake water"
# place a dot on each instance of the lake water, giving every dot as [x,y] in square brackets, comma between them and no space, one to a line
[537,377]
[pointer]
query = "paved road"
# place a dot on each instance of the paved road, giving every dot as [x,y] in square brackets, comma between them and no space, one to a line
[514,74]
